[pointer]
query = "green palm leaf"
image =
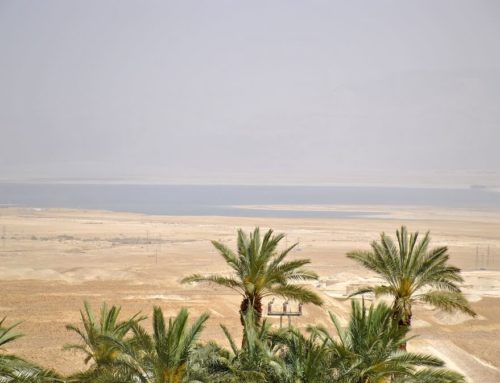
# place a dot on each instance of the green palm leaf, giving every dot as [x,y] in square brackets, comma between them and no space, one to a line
[6,334]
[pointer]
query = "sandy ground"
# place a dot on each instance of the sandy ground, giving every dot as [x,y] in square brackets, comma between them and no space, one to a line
[53,260]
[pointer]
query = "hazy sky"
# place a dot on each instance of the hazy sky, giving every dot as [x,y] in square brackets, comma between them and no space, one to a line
[249,91]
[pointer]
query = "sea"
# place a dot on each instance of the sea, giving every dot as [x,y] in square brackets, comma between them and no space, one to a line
[230,200]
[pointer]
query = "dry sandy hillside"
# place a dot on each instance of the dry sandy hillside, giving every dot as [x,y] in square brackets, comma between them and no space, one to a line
[53,260]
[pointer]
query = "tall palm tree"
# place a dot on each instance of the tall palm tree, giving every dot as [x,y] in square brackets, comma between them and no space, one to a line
[368,351]
[413,273]
[259,270]
[16,370]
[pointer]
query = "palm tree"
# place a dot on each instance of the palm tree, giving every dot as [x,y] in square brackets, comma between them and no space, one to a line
[211,362]
[258,359]
[413,273]
[163,358]
[96,335]
[160,358]
[16,370]
[368,350]
[103,342]
[260,271]
[304,357]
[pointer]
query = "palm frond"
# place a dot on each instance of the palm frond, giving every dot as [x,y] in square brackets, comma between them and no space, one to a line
[6,334]
[298,293]
[447,301]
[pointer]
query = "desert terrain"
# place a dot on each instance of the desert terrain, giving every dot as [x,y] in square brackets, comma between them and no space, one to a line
[52,260]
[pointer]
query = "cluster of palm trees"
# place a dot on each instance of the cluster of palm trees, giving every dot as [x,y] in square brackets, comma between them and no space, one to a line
[370,349]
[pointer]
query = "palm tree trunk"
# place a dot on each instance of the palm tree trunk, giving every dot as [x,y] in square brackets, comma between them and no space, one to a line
[257,308]
[243,310]
[256,303]
[404,322]
[246,304]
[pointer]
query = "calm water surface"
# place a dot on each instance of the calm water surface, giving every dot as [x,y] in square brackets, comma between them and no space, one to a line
[220,200]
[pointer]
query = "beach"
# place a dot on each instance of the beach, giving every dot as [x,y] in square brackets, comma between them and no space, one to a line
[54,259]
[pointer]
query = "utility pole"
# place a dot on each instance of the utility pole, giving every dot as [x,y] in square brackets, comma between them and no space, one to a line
[285,312]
